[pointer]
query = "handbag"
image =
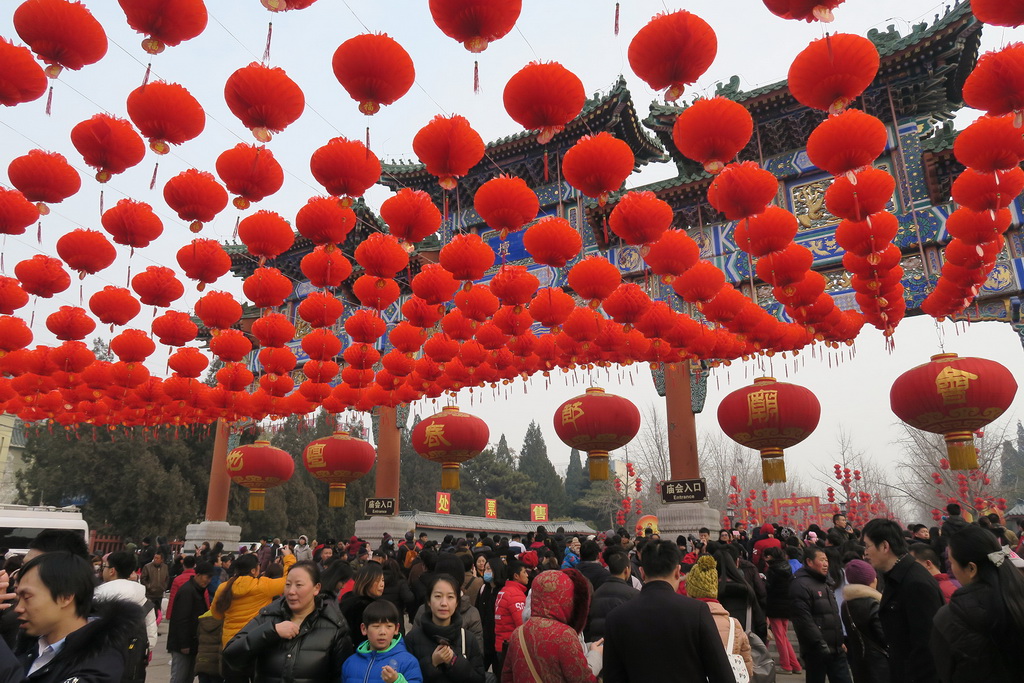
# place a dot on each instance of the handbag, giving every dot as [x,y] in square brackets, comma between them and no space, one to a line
[739,667]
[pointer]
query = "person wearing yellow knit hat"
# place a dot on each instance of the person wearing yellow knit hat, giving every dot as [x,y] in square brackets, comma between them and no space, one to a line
[702,584]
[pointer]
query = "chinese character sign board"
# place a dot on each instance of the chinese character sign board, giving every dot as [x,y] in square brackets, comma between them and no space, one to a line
[444,503]
[684,491]
[379,506]
[491,508]
[538,512]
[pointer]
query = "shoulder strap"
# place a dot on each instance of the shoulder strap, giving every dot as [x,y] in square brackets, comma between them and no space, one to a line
[526,655]
[463,632]
[732,636]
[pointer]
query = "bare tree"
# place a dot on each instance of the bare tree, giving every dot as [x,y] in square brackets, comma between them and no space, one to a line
[650,449]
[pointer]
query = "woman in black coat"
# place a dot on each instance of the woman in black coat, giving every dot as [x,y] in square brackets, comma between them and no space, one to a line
[447,653]
[866,645]
[368,586]
[396,588]
[298,638]
[494,581]
[778,577]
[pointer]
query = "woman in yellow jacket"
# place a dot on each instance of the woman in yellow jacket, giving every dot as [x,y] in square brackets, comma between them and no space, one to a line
[241,597]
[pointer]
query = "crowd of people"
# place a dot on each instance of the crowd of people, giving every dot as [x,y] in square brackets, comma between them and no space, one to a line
[875,605]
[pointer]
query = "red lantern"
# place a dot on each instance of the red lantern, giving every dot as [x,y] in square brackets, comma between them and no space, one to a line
[699,283]
[70,323]
[132,223]
[264,99]
[477,303]
[338,460]
[594,278]
[42,276]
[466,257]
[785,267]
[62,33]
[672,255]
[12,296]
[114,305]
[867,236]
[174,328]
[376,292]
[380,255]
[188,362]
[320,309]
[324,220]
[640,217]
[157,286]
[552,241]
[597,422]
[514,285]
[365,327]
[544,96]
[258,467]
[265,234]
[22,76]
[598,165]
[996,85]
[770,231]
[195,196]
[627,303]
[713,132]
[953,396]
[204,261]
[230,345]
[855,201]
[448,146]
[132,346]
[846,142]
[345,167]
[769,416]
[475,23]
[434,284]
[167,114]
[990,143]
[803,10]
[410,215]
[506,204]
[742,190]
[374,69]
[250,172]
[108,144]
[165,22]
[14,335]
[16,212]
[44,177]
[325,268]
[218,310]
[988,191]
[997,13]
[672,51]
[273,330]
[235,377]
[832,72]
[267,288]
[450,437]
[86,251]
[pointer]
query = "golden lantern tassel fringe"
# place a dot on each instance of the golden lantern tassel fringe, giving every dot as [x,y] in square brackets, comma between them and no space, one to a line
[336,498]
[598,465]
[962,453]
[257,499]
[773,470]
[450,480]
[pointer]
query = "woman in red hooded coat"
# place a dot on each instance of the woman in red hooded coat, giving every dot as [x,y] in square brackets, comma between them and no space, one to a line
[548,648]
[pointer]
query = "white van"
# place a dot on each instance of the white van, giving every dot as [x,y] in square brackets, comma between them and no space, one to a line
[20,524]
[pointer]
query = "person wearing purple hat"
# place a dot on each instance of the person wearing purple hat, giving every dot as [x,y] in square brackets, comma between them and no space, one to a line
[865,642]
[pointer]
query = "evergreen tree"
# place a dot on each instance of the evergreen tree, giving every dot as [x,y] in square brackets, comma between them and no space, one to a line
[489,476]
[503,453]
[577,479]
[420,479]
[534,463]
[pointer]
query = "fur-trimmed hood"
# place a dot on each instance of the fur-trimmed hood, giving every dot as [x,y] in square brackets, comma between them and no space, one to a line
[562,595]
[852,591]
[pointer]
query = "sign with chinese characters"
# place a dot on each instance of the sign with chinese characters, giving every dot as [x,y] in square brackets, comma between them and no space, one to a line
[443,505]
[379,506]
[538,512]
[684,491]
[491,508]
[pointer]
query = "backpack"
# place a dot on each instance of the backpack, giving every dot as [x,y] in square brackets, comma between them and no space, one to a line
[137,652]
[410,557]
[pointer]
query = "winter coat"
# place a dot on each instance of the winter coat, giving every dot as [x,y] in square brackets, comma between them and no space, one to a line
[248,596]
[316,654]
[471,587]
[779,576]
[909,602]
[208,645]
[551,635]
[352,606]
[424,638]
[366,664]
[135,593]
[176,584]
[946,585]
[570,560]
[740,642]
[594,572]
[156,579]
[190,603]
[815,614]
[961,641]
[610,595]
[508,612]
[303,553]
[396,588]
[679,634]
[865,642]
[768,540]
[95,653]
[485,606]
[470,619]
[737,597]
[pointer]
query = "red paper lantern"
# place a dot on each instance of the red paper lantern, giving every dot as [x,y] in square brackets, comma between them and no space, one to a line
[870,235]
[230,345]
[435,285]
[108,144]
[16,212]
[594,278]
[266,234]
[376,292]
[204,261]
[855,201]
[552,241]
[990,143]
[42,276]
[324,220]
[699,283]
[450,437]
[14,335]
[114,305]
[70,323]
[997,13]
[785,267]
[544,96]
[627,303]
[846,142]
[250,172]
[953,396]
[477,303]
[264,99]
[320,309]
[514,285]
[466,257]
[770,231]
[672,51]
[365,327]
[12,296]
[448,146]
[597,422]
[235,377]
[598,165]
[374,69]
[769,416]
[132,223]
[258,467]
[640,217]
[165,22]
[44,177]
[338,460]
[381,255]
[977,227]
[742,190]
[132,346]
[832,72]
[157,286]
[506,204]
[672,255]
[21,76]
[325,268]
[475,23]
[218,310]
[188,362]
[345,167]
[803,10]
[988,191]
[712,132]
[174,328]
[267,288]
[410,215]
[195,196]
[167,114]
[61,33]
[273,330]
[86,251]
[996,85]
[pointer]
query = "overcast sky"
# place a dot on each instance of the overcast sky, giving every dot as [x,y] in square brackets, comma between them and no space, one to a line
[852,385]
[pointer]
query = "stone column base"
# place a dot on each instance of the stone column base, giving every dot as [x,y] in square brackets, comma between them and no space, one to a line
[372,529]
[686,519]
[212,532]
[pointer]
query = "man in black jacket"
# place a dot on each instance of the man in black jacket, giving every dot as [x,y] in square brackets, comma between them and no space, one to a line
[589,566]
[612,593]
[910,599]
[680,630]
[815,617]
[190,602]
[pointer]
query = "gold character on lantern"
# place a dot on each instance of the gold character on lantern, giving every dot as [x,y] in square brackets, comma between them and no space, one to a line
[762,406]
[952,384]
[572,412]
[435,436]
[234,461]
[315,455]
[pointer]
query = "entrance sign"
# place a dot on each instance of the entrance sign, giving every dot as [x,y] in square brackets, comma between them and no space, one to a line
[684,491]
[379,506]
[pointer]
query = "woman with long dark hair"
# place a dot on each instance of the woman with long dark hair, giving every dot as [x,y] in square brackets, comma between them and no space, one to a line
[494,576]
[369,586]
[977,636]
[447,652]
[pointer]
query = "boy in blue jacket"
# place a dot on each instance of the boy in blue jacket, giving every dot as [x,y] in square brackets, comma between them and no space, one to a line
[383,656]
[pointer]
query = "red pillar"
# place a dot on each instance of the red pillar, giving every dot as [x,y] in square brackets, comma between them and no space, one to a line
[682,423]
[389,447]
[220,483]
